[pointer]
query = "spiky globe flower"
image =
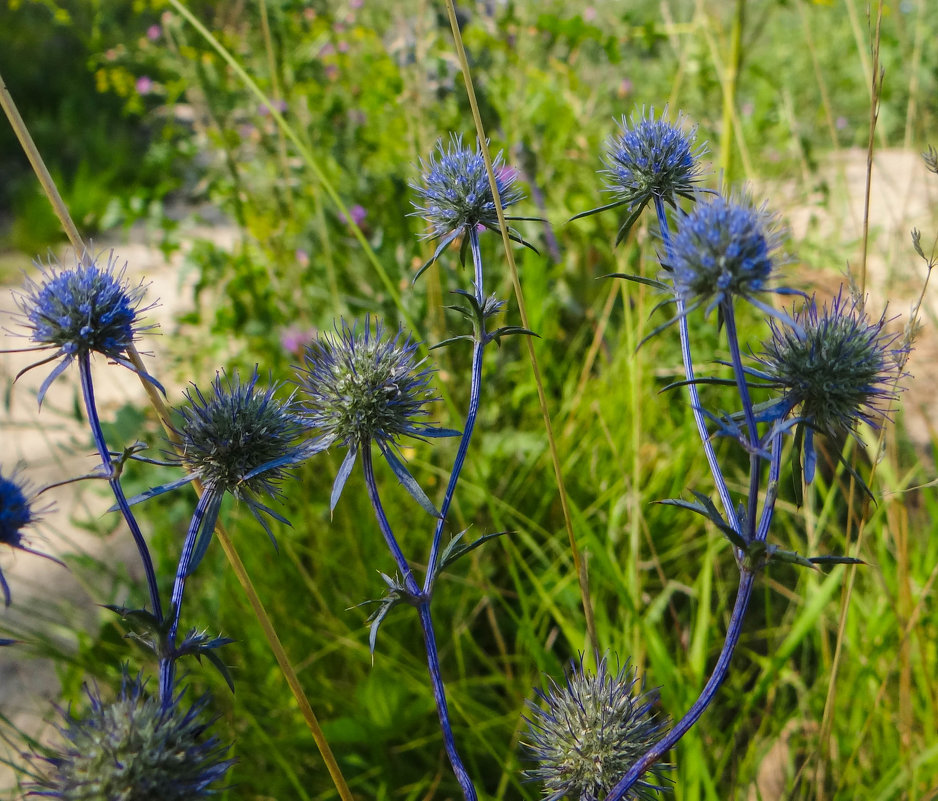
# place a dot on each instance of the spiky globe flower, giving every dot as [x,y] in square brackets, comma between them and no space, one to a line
[455,194]
[652,158]
[724,247]
[649,159]
[82,310]
[835,367]
[16,513]
[238,439]
[135,749]
[365,386]
[589,732]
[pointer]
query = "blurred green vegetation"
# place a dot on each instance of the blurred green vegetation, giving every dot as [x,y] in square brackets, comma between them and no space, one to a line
[138,116]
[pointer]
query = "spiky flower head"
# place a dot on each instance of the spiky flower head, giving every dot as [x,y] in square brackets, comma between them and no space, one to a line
[455,196]
[835,365]
[16,513]
[363,385]
[455,193]
[650,158]
[135,748]
[240,438]
[82,310]
[723,247]
[589,732]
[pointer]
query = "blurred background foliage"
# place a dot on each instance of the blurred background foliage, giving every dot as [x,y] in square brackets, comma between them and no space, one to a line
[149,131]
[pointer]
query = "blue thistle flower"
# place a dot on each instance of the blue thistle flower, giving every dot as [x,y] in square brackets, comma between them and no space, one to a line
[835,366]
[724,248]
[591,732]
[649,158]
[135,748]
[364,387]
[241,440]
[456,197]
[83,310]
[16,514]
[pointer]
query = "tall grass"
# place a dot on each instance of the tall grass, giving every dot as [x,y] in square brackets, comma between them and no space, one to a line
[549,81]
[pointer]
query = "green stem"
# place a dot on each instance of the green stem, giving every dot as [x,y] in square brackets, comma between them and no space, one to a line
[730,82]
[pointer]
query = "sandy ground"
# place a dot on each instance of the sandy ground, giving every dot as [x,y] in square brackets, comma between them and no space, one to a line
[52,444]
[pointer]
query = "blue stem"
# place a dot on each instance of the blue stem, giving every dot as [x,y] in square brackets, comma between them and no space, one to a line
[476,263]
[656,753]
[402,565]
[87,388]
[426,622]
[775,470]
[439,695]
[689,374]
[167,662]
[732,336]
[475,392]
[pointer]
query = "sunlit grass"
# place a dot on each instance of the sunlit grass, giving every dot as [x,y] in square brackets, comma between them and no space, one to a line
[661,581]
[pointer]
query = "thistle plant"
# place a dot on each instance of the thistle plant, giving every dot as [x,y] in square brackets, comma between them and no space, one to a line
[137,747]
[649,160]
[456,200]
[76,312]
[832,368]
[835,367]
[134,748]
[724,248]
[591,730]
[364,387]
[240,440]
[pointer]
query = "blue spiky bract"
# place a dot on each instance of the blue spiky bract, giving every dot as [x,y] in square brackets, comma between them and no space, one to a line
[651,157]
[586,734]
[724,247]
[455,193]
[16,513]
[135,748]
[365,385]
[240,439]
[82,310]
[836,365]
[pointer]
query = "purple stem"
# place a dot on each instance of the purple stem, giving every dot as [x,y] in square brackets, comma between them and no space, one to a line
[695,405]
[475,392]
[439,695]
[732,336]
[402,565]
[655,754]
[426,622]
[167,662]
[87,388]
